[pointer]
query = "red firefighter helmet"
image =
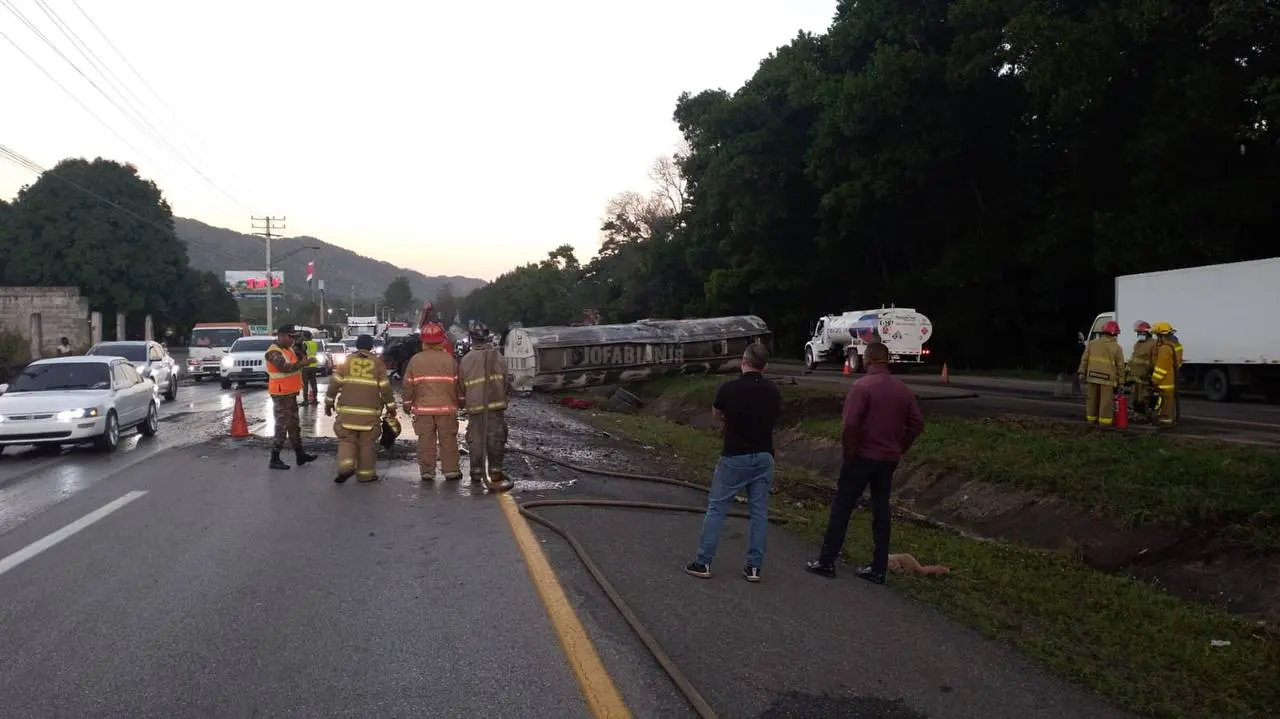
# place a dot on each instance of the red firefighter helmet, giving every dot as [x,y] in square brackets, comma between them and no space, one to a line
[1111,328]
[432,334]
[1142,327]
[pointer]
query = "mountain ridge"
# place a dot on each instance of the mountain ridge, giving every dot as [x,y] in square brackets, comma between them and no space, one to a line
[218,249]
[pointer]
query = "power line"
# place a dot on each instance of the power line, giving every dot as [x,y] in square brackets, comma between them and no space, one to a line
[154,94]
[53,46]
[70,94]
[96,63]
[18,159]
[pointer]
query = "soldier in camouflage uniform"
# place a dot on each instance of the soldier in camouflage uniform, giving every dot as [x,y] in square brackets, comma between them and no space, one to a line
[284,381]
[484,379]
[362,384]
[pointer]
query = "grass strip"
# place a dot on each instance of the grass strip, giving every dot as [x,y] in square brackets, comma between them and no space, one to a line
[1224,490]
[1230,491]
[1131,643]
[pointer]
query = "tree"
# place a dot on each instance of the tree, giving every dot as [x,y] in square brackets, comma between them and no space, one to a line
[445,303]
[994,165]
[123,256]
[399,295]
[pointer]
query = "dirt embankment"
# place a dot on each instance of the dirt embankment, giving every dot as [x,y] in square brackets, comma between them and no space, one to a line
[1192,563]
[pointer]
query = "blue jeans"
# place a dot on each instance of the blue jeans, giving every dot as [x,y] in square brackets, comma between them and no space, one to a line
[754,473]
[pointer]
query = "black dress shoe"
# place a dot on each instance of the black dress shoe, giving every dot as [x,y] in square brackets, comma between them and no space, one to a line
[869,574]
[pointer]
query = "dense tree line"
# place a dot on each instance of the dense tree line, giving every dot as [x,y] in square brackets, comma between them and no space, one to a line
[993,164]
[100,227]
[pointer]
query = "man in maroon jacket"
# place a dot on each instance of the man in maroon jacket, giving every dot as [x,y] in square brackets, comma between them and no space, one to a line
[881,421]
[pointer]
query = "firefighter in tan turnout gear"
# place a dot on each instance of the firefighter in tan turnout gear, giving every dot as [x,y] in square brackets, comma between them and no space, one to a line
[1166,361]
[1140,364]
[1102,368]
[431,395]
[361,390]
[484,379]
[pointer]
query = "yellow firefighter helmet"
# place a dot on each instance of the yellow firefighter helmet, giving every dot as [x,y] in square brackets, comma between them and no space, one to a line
[1162,328]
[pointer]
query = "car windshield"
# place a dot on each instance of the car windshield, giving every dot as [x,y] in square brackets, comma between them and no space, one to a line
[252,345]
[132,351]
[214,337]
[335,347]
[63,376]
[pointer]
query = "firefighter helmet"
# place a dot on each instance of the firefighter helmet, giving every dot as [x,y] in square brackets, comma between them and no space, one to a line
[1142,327]
[1111,328]
[432,334]
[479,332]
[1162,328]
[390,431]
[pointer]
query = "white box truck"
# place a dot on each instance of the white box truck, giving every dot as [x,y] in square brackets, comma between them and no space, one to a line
[845,336]
[1224,315]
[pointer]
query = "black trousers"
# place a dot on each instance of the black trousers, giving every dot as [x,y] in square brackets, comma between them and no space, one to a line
[855,475]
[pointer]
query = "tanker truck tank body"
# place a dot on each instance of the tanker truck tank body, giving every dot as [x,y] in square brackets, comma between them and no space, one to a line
[837,338]
[556,358]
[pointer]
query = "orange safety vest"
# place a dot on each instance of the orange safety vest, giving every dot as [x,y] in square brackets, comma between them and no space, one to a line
[283,383]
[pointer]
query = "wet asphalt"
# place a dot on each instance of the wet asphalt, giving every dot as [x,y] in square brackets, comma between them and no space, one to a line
[793,646]
[229,590]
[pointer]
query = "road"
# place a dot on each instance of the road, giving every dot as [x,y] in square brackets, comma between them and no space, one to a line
[179,577]
[1244,422]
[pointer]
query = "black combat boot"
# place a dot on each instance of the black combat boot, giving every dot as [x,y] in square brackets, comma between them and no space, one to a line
[344,475]
[301,457]
[276,462]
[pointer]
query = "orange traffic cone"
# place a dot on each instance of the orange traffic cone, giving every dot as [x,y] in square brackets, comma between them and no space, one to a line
[239,426]
[1122,412]
[946,376]
[847,369]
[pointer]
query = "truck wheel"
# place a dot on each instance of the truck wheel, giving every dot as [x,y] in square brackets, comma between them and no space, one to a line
[855,363]
[808,359]
[226,384]
[1216,386]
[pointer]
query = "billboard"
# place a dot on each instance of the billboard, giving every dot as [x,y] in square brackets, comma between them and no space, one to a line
[252,284]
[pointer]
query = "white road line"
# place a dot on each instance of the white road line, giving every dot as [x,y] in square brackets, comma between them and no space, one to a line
[57,537]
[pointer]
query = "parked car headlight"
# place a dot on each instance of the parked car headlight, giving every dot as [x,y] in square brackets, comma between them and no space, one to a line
[71,415]
[227,362]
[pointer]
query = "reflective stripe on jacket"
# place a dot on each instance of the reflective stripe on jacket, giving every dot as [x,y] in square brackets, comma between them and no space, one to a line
[1165,373]
[431,383]
[1102,361]
[359,390]
[484,379]
[1141,359]
[283,383]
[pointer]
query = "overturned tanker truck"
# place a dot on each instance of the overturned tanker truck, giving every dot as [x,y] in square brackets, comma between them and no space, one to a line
[555,358]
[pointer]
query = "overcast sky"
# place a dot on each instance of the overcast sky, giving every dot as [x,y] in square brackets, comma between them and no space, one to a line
[452,138]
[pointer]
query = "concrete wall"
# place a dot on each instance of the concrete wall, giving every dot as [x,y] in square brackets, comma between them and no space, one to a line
[62,312]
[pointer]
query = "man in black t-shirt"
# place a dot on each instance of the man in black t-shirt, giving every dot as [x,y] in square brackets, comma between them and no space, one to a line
[749,407]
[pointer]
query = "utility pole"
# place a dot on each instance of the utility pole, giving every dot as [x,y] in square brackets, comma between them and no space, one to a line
[263,227]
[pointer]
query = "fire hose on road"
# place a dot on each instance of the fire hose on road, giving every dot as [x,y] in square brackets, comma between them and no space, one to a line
[699,704]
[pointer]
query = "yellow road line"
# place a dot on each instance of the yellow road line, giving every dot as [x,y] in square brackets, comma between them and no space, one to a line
[597,686]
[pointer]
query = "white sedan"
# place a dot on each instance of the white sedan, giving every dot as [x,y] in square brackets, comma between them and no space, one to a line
[69,400]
